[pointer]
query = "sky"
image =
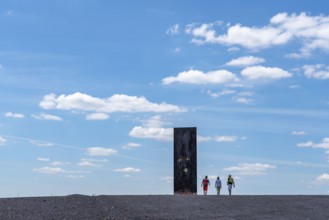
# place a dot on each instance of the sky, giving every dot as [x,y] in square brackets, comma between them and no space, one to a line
[90,92]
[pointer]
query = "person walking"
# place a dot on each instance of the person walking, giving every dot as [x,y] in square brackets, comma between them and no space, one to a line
[218,185]
[205,183]
[230,183]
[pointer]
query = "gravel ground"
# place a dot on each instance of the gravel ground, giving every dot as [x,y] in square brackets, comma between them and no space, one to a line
[166,207]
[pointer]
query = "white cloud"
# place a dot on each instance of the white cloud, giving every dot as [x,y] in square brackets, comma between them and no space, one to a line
[261,72]
[306,144]
[243,100]
[97,116]
[324,144]
[56,170]
[323,179]
[173,30]
[199,77]
[203,33]
[163,134]
[94,160]
[225,138]
[245,61]
[220,93]
[131,146]
[155,121]
[2,141]
[59,163]
[44,116]
[250,168]
[248,37]
[43,159]
[204,138]
[49,170]
[87,164]
[42,143]
[100,151]
[153,129]
[253,37]
[312,32]
[115,103]
[14,115]
[233,49]
[316,71]
[298,133]
[294,86]
[128,170]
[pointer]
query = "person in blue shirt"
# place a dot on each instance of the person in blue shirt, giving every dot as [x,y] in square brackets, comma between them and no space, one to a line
[218,185]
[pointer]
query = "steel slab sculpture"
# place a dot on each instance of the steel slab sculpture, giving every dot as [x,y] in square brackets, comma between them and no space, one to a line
[185,160]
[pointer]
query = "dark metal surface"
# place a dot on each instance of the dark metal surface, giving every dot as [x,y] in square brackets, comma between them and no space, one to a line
[185,160]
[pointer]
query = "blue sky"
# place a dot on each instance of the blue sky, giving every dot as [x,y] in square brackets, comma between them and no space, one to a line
[90,92]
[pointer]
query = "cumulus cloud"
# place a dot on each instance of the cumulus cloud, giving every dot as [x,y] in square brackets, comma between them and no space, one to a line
[316,71]
[153,129]
[311,31]
[250,168]
[116,103]
[261,72]
[225,138]
[199,77]
[248,37]
[323,179]
[2,141]
[97,116]
[100,151]
[131,146]
[162,134]
[245,61]
[128,170]
[324,144]
[203,33]
[14,115]
[44,116]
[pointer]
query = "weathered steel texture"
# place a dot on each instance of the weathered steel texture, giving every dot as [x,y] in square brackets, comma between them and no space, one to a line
[185,160]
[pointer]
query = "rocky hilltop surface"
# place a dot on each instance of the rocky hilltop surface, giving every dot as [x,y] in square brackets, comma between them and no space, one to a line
[165,207]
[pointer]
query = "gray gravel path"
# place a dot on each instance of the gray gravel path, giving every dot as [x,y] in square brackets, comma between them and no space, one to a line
[166,207]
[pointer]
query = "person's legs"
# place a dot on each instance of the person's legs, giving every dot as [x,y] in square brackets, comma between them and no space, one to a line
[229,188]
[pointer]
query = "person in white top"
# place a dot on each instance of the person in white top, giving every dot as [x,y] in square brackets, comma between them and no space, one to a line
[218,185]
